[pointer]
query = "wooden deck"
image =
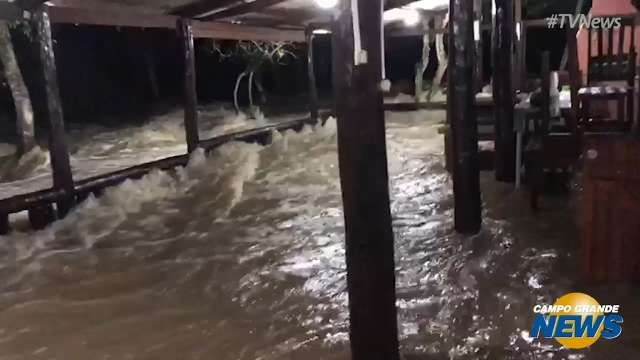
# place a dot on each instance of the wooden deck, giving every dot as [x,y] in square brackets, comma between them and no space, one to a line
[41,202]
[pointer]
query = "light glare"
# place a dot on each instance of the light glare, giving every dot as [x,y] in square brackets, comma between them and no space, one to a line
[327,4]
[410,17]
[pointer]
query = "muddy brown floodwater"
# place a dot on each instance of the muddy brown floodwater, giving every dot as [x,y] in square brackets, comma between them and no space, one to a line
[240,256]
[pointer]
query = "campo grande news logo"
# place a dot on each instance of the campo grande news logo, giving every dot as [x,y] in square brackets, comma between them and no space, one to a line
[577,321]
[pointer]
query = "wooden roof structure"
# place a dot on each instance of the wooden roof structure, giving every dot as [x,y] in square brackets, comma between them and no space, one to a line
[269,20]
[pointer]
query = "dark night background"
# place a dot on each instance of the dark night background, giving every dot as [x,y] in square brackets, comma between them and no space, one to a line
[104,78]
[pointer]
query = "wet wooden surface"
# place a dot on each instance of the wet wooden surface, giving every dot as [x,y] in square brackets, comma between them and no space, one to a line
[611,209]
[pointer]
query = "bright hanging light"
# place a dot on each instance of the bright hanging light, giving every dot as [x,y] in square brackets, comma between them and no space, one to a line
[327,4]
[321,31]
[410,17]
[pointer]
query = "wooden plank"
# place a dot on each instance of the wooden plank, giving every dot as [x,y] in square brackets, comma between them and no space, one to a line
[201,29]
[203,7]
[213,30]
[463,119]
[365,184]
[78,16]
[59,153]
[243,8]
[610,209]
[502,42]
[190,96]
[311,73]
[301,16]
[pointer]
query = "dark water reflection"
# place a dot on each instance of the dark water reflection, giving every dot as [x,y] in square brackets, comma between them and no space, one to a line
[240,256]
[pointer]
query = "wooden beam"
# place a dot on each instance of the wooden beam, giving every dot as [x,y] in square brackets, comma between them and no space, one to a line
[201,29]
[58,150]
[185,31]
[313,88]
[204,29]
[503,94]
[244,8]
[29,4]
[464,123]
[365,184]
[202,7]
[301,16]
[101,5]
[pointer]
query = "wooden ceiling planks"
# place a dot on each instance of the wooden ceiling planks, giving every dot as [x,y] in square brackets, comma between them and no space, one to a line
[244,8]
[124,18]
[204,7]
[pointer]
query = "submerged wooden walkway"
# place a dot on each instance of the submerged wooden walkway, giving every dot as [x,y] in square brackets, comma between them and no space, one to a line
[40,204]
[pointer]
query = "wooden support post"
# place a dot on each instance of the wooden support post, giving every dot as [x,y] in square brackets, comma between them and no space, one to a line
[41,216]
[313,88]
[4,223]
[503,95]
[185,31]
[519,29]
[365,182]
[478,21]
[523,55]
[62,176]
[464,124]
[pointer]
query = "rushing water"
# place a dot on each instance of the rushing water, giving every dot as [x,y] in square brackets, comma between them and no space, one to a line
[240,256]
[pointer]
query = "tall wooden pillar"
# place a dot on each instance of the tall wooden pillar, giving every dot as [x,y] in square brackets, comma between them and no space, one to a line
[479,44]
[59,153]
[313,87]
[4,223]
[519,61]
[464,124]
[365,181]
[503,95]
[185,32]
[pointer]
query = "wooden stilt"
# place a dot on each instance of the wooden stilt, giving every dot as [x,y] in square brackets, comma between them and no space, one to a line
[41,216]
[364,178]
[464,124]
[313,88]
[62,176]
[519,63]
[4,224]
[503,95]
[479,44]
[185,31]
